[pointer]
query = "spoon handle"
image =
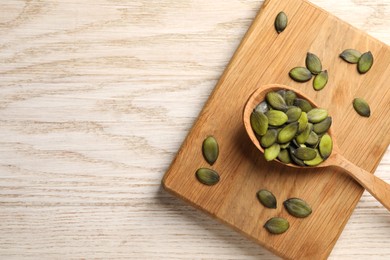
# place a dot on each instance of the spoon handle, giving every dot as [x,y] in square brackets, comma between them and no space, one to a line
[377,187]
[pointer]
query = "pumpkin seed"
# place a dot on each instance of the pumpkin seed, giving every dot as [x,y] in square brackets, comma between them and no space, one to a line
[288,132]
[303,121]
[361,107]
[282,92]
[272,152]
[316,161]
[303,104]
[277,225]
[207,176]
[305,153]
[259,122]
[365,62]
[289,97]
[320,80]
[351,56]
[302,137]
[276,117]
[323,126]
[269,138]
[300,74]
[312,139]
[276,101]
[284,156]
[284,146]
[281,21]
[262,107]
[326,146]
[210,149]
[297,207]
[295,159]
[316,115]
[267,199]
[293,114]
[313,63]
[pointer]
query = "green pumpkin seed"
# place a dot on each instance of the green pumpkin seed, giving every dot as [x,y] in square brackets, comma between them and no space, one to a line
[276,117]
[305,153]
[312,139]
[210,149]
[361,107]
[297,207]
[267,199]
[284,156]
[302,137]
[284,146]
[271,153]
[262,107]
[288,132]
[323,126]
[365,62]
[300,74]
[289,97]
[207,176]
[281,22]
[313,63]
[259,123]
[326,146]
[282,92]
[351,56]
[320,80]
[316,115]
[303,121]
[303,104]
[295,159]
[269,138]
[316,161]
[293,114]
[276,101]
[277,225]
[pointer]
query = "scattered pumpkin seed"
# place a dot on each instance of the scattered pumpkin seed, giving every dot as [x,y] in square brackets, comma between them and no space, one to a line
[288,132]
[276,117]
[365,62]
[297,207]
[300,74]
[303,104]
[316,161]
[272,152]
[326,146]
[320,80]
[322,126]
[281,21]
[351,56]
[277,225]
[305,153]
[293,114]
[259,122]
[207,176]
[269,138]
[313,63]
[276,101]
[267,199]
[284,156]
[210,149]
[317,115]
[361,107]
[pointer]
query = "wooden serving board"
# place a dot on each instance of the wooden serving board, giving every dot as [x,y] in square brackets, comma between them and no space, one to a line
[266,57]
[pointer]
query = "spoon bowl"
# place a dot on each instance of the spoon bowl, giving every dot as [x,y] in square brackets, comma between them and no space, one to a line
[377,187]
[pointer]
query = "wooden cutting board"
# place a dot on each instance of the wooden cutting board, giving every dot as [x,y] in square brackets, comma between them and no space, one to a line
[266,57]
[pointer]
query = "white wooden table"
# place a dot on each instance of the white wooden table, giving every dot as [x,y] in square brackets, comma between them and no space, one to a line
[95,100]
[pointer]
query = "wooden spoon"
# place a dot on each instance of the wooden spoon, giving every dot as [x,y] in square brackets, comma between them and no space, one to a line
[377,187]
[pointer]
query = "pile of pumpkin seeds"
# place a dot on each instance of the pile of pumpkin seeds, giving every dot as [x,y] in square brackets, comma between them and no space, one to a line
[291,130]
[210,150]
[294,206]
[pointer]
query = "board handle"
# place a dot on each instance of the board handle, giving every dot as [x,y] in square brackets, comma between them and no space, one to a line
[374,185]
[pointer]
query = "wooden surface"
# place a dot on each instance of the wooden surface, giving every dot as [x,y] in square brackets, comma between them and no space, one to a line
[266,57]
[97,97]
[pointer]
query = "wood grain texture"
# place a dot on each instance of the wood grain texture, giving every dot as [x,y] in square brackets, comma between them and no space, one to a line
[96,98]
